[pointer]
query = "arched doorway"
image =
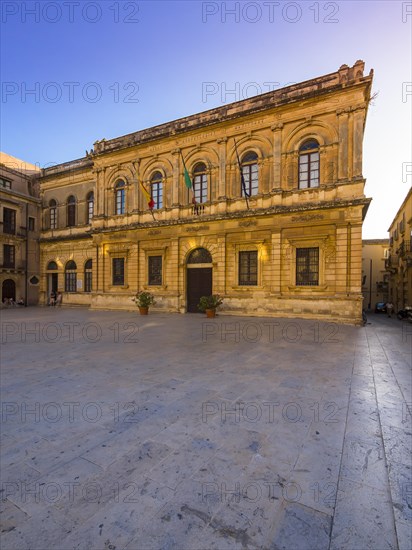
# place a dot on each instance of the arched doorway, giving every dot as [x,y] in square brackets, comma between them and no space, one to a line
[199,277]
[8,290]
[52,278]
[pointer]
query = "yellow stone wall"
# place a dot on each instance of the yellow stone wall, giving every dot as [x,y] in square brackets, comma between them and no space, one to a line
[280,218]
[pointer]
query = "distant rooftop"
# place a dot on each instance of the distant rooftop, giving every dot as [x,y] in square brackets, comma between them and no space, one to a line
[17,164]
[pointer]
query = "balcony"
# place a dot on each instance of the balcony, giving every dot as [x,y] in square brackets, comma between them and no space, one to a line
[404,249]
[392,262]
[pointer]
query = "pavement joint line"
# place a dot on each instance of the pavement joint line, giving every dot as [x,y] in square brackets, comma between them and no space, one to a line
[332,523]
[382,434]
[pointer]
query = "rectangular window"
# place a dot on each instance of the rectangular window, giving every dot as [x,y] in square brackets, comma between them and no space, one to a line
[8,255]
[88,281]
[53,217]
[248,266]
[118,271]
[155,270]
[31,224]
[307,266]
[5,183]
[9,221]
[70,281]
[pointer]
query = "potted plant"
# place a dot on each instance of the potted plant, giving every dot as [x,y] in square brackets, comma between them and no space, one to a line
[143,300]
[209,304]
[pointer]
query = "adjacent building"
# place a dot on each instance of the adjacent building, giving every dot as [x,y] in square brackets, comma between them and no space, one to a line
[20,215]
[261,201]
[375,277]
[399,261]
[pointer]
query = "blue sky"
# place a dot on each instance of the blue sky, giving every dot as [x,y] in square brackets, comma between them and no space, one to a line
[104,69]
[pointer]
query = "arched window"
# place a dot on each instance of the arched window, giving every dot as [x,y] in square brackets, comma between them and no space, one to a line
[52,266]
[71,211]
[156,185]
[199,256]
[70,277]
[250,184]
[309,164]
[53,214]
[88,276]
[90,206]
[120,197]
[200,182]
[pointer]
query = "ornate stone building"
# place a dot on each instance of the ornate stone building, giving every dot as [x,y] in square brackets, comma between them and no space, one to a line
[20,230]
[273,221]
[399,262]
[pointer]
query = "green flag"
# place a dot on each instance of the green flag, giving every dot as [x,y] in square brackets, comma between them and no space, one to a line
[188,181]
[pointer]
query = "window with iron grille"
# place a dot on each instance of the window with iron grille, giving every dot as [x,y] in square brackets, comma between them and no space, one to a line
[248,268]
[70,277]
[9,221]
[155,270]
[88,274]
[71,211]
[156,184]
[250,174]
[8,255]
[118,271]
[200,182]
[307,266]
[309,164]
[53,214]
[120,198]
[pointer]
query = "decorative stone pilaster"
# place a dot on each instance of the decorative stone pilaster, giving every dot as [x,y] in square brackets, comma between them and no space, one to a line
[358,121]
[176,193]
[221,186]
[277,155]
[343,143]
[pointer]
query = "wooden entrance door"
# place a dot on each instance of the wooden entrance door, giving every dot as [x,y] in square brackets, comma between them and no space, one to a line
[199,283]
[8,290]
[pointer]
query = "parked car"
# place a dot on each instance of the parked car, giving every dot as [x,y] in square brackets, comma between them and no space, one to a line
[405,313]
[380,307]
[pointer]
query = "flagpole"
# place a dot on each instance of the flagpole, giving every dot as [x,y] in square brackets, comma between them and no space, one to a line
[242,179]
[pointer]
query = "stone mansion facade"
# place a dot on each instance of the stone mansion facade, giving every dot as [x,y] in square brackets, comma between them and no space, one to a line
[261,201]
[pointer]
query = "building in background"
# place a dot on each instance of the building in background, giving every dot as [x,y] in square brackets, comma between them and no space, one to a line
[375,277]
[261,201]
[399,262]
[20,215]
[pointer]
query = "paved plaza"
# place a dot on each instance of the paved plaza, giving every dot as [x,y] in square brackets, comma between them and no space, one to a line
[178,432]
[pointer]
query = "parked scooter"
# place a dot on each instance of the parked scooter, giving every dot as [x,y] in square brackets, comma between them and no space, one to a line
[405,313]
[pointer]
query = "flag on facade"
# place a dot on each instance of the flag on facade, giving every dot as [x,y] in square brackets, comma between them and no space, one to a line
[242,178]
[188,181]
[150,202]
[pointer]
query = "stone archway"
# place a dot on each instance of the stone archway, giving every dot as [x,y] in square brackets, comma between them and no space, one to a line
[199,277]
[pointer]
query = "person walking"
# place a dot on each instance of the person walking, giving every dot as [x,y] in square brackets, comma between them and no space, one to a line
[389,309]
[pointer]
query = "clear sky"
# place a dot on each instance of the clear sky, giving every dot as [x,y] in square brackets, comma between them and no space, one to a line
[76,71]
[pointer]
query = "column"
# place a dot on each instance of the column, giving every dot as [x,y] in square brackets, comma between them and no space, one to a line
[221,185]
[277,157]
[343,144]
[358,121]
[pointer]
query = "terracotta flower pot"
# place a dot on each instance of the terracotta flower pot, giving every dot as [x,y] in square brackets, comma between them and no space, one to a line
[143,310]
[210,313]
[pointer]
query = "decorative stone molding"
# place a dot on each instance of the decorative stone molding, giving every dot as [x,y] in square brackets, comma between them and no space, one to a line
[247,223]
[198,228]
[307,217]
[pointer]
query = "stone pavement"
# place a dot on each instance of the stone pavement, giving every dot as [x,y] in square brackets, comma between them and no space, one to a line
[176,432]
